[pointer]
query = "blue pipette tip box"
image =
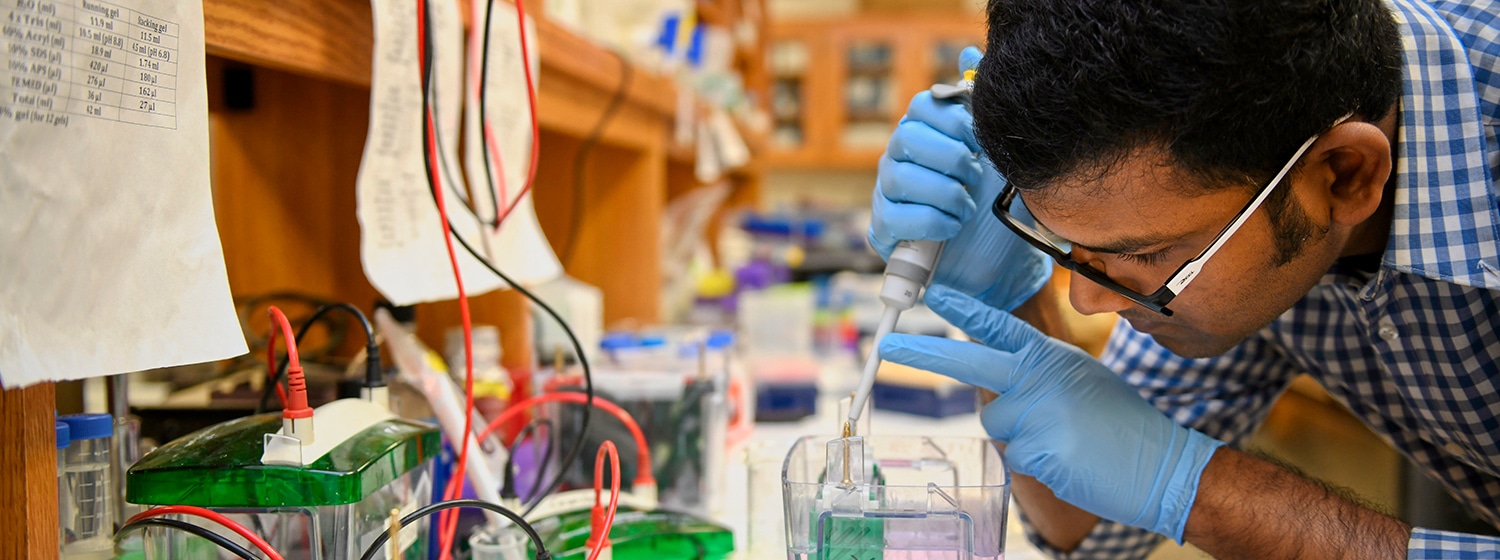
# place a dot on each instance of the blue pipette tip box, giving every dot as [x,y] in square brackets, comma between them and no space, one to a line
[785,402]
[939,401]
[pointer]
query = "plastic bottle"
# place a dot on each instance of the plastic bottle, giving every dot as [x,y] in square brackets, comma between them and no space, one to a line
[63,438]
[86,476]
[492,384]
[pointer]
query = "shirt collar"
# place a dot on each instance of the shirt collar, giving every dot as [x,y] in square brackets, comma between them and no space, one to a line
[1447,222]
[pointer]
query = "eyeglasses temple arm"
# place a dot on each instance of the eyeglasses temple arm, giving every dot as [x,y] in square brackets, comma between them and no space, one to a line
[1185,275]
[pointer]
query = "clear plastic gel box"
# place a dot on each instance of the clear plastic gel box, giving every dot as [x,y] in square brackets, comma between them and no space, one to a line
[912,497]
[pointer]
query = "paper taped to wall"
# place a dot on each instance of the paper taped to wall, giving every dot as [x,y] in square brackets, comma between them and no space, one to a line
[401,241]
[108,247]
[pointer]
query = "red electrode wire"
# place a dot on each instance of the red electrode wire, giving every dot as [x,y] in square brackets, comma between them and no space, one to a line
[216,517]
[447,518]
[463,299]
[602,520]
[536,132]
[286,331]
[294,399]
[643,452]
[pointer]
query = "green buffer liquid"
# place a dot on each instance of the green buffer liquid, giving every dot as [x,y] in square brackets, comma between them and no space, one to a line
[639,535]
[851,538]
[848,537]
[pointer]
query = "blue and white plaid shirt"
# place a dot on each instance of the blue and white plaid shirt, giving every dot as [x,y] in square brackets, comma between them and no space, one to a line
[1413,348]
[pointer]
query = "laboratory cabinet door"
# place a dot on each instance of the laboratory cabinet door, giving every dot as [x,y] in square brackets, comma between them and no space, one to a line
[841,87]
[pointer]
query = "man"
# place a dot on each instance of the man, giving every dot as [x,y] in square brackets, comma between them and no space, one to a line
[1260,189]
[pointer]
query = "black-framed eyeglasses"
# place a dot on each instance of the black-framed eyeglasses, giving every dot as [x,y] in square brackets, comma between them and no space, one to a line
[1156,301]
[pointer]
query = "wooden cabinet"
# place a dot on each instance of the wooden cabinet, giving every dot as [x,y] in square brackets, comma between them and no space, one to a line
[839,87]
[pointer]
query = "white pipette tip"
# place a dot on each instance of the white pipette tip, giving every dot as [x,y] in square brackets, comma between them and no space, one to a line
[872,364]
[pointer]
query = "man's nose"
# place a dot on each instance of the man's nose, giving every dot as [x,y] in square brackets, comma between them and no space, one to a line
[1090,298]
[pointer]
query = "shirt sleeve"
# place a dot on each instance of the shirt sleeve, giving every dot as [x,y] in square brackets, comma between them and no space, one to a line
[1225,397]
[1430,544]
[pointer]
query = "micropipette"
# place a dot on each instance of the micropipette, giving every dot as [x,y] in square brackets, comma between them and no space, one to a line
[906,273]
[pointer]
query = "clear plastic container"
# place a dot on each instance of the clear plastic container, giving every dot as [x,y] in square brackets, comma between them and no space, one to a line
[490,378]
[685,422]
[340,531]
[91,525]
[63,439]
[330,509]
[902,497]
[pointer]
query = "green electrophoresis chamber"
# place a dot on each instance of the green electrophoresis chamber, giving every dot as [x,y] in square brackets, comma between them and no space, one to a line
[329,509]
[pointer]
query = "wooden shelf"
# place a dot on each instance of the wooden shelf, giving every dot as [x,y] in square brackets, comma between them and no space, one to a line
[333,40]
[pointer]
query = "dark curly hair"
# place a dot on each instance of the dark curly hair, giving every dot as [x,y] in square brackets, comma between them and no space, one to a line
[1227,89]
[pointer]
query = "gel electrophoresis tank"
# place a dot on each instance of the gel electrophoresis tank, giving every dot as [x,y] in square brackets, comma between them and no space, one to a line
[918,498]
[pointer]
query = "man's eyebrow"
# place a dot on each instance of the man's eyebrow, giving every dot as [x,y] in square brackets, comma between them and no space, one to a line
[1124,245]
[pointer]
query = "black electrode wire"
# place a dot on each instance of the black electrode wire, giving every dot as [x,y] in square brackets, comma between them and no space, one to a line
[247,307]
[373,376]
[484,137]
[198,530]
[583,362]
[509,490]
[452,183]
[554,448]
[472,212]
[413,517]
[581,159]
[468,205]
[588,379]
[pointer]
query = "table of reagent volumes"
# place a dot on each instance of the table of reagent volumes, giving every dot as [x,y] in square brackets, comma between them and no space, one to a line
[68,59]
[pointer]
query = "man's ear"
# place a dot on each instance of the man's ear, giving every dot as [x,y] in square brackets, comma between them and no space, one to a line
[1350,165]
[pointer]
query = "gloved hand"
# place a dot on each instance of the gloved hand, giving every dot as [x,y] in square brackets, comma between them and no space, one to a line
[1067,420]
[932,184]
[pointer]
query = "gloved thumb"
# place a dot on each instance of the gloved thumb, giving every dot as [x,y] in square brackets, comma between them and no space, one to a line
[965,362]
[969,58]
[992,327]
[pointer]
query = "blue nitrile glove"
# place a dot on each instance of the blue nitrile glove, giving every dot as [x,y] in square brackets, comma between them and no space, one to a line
[921,194]
[1067,419]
